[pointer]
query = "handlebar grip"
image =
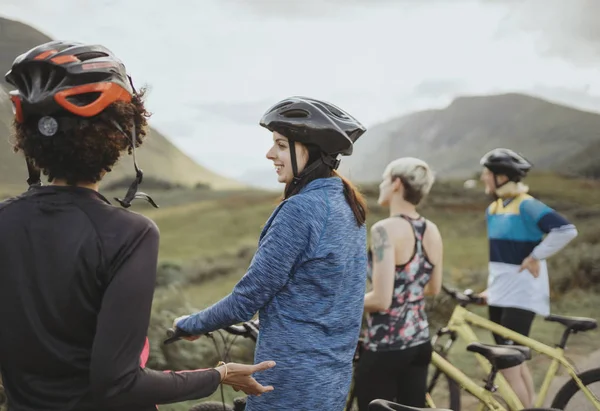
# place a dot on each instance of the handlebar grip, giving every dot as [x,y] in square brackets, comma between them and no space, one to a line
[236,330]
[448,290]
[175,334]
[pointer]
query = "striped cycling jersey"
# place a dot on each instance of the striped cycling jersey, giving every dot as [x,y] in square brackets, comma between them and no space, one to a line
[515,228]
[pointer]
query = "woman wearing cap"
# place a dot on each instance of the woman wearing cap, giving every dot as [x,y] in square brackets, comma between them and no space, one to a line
[407,266]
[307,279]
[518,287]
[78,274]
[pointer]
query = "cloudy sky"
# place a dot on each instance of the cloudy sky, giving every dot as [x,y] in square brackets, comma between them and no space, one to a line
[214,66]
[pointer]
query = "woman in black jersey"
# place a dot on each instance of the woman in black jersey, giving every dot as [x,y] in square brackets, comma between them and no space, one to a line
[78,274]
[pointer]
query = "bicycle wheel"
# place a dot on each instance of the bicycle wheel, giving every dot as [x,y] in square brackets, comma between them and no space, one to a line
[570,396]
[211,406]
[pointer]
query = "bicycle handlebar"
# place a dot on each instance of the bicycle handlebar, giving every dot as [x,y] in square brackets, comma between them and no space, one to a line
[465,298]
[248,329]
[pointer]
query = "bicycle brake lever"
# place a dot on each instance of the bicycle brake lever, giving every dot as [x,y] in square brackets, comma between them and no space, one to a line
[176,334]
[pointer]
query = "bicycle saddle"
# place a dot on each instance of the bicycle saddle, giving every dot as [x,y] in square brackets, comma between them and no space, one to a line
[383,405]
[525,350]
[500,357]
[575,324]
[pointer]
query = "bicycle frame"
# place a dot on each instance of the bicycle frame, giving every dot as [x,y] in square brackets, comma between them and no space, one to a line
[487,400]
[460,323]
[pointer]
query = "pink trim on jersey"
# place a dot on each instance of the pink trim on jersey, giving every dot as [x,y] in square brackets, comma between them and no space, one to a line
[145,353]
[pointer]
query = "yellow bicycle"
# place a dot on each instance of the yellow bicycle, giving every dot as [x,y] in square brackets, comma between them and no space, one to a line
[459,326]
[499,357]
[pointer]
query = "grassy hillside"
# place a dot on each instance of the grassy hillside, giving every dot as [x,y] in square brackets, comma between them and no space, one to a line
[158,157]
[206,245]
[453,139]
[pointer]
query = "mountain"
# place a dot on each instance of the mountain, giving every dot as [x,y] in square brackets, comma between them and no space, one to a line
[453,139]
[586,163]
[158,157]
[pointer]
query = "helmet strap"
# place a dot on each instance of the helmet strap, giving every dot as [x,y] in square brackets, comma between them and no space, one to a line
[327,159]
[496,184]
[34,173]
[330,160]
[297,178]
[132,192]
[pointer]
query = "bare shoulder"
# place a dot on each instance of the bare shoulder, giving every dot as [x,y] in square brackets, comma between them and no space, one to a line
[432,238]
[391,227]
[432,229]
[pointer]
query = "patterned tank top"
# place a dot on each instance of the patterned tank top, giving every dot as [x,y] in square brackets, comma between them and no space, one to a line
[404,324]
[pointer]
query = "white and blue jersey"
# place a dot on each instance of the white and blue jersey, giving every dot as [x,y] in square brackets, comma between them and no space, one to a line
[516,229]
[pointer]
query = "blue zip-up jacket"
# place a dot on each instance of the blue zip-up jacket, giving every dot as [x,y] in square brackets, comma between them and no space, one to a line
[307,282]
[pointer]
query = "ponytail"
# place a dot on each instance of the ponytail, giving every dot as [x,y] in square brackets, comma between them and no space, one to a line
[355,200]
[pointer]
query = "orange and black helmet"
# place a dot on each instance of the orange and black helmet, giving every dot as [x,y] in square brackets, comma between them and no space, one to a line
[61,77]
[58,80]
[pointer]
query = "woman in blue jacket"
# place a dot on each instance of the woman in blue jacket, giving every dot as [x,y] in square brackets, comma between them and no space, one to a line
[307,278]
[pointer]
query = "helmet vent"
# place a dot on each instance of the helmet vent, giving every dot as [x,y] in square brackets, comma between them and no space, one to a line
[330,109]
[83,99]
[91,55]
[55,77]
[295,113]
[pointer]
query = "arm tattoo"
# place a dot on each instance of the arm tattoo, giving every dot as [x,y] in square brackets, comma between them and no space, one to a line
[380,243]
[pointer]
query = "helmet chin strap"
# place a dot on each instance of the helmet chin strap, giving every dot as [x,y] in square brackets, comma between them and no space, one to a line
[132,192]
[331,161]
[297,178]
[498,185]
[34,173]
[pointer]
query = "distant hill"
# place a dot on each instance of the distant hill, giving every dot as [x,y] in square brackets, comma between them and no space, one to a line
[453,139]
[158,157]
[586,163]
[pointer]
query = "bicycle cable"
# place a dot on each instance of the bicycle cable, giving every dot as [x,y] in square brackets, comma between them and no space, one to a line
[220,385]
[225,358]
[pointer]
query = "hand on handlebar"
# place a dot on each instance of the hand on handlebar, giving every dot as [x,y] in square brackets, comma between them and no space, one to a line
[483,295]
[239,377]
[190,337]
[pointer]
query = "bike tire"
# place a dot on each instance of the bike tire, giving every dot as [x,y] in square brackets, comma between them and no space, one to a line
[570,388]
[211,406]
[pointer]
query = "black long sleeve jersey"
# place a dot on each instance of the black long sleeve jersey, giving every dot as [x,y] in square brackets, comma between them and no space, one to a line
[77,279]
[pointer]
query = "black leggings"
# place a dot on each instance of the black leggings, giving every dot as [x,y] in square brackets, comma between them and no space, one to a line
[516,319]
[399,376]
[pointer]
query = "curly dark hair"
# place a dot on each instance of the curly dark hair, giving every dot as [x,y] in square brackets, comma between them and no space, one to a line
[83,153]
